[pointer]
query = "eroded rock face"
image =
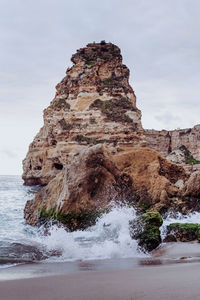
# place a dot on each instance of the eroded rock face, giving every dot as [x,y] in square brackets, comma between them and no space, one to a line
[166,142]
[94,104]
[91,152]
[155,178]
[97,179]
[91,184]
[182,232]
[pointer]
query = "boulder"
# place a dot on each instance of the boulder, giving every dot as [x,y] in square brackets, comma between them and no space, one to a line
[79,194]
[182,232]
[146,230]
[155,178]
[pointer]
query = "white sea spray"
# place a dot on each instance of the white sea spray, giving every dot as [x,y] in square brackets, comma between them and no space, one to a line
[179,218]
[109,238]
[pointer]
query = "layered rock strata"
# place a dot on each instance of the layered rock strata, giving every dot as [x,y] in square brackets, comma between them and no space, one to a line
[166,142]
[97,179]
[87,187]
[91,152]
[94,104]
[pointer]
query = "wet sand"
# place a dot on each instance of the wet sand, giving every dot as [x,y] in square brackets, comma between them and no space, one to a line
[179,281]
[173,272]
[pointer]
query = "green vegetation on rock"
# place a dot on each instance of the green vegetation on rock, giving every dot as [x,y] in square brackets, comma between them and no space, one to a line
[146,230]
[115,109]
[184,232]
[152,218]
[65,125]
[61,103]
[73,220]
[143,206]
[150,238]
[90,62]
[188,156]
[107,80]
[81,139]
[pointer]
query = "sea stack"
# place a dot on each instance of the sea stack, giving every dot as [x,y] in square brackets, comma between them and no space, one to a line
[94,104]
[92,151]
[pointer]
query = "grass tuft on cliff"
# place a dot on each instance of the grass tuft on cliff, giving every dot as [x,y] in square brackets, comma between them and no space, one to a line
[115,109]
[189,159]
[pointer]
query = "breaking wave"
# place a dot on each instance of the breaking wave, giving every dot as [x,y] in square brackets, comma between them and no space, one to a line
[109,238]
[20,243]
[180,218]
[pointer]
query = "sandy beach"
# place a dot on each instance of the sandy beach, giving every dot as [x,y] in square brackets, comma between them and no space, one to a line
[178,281]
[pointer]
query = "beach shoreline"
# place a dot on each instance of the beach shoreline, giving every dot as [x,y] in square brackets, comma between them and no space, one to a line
[175,281]
[171,272]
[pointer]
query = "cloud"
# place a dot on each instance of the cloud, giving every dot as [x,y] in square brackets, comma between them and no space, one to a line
[9,153]
[168,118]
[159,41]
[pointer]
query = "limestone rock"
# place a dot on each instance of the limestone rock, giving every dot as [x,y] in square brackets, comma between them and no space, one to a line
[165,141]
[91,151]
[192,186]
[96,179]
[182,156]
[94,104]
[155,178]
[177,156]
[182,232]
[90,184]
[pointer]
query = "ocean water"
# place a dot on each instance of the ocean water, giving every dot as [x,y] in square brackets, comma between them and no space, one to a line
[20,243]
[108,239]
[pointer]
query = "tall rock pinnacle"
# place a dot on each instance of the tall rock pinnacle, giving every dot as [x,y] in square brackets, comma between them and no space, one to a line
[94,104]
[90,152]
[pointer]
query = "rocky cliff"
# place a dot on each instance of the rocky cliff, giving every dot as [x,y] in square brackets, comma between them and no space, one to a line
[166,142]
[96,180]
[94,104]
[91,152]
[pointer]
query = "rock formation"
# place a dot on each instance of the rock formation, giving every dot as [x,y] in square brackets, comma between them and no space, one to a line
[166,142]
[145,229]
[94,104]
[96,179]
[88,185]
[91,151]
[182,232]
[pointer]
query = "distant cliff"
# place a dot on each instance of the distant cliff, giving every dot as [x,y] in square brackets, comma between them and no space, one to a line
[166,142]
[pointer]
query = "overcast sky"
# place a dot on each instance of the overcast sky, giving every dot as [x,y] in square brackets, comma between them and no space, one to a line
[159,41]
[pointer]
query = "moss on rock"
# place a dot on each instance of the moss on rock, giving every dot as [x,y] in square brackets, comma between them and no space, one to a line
[115,109]
[152,218]
[65,125]
[61,104]
[183,232]
[150,238]
[73,220]
[146,230]
[81,139]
